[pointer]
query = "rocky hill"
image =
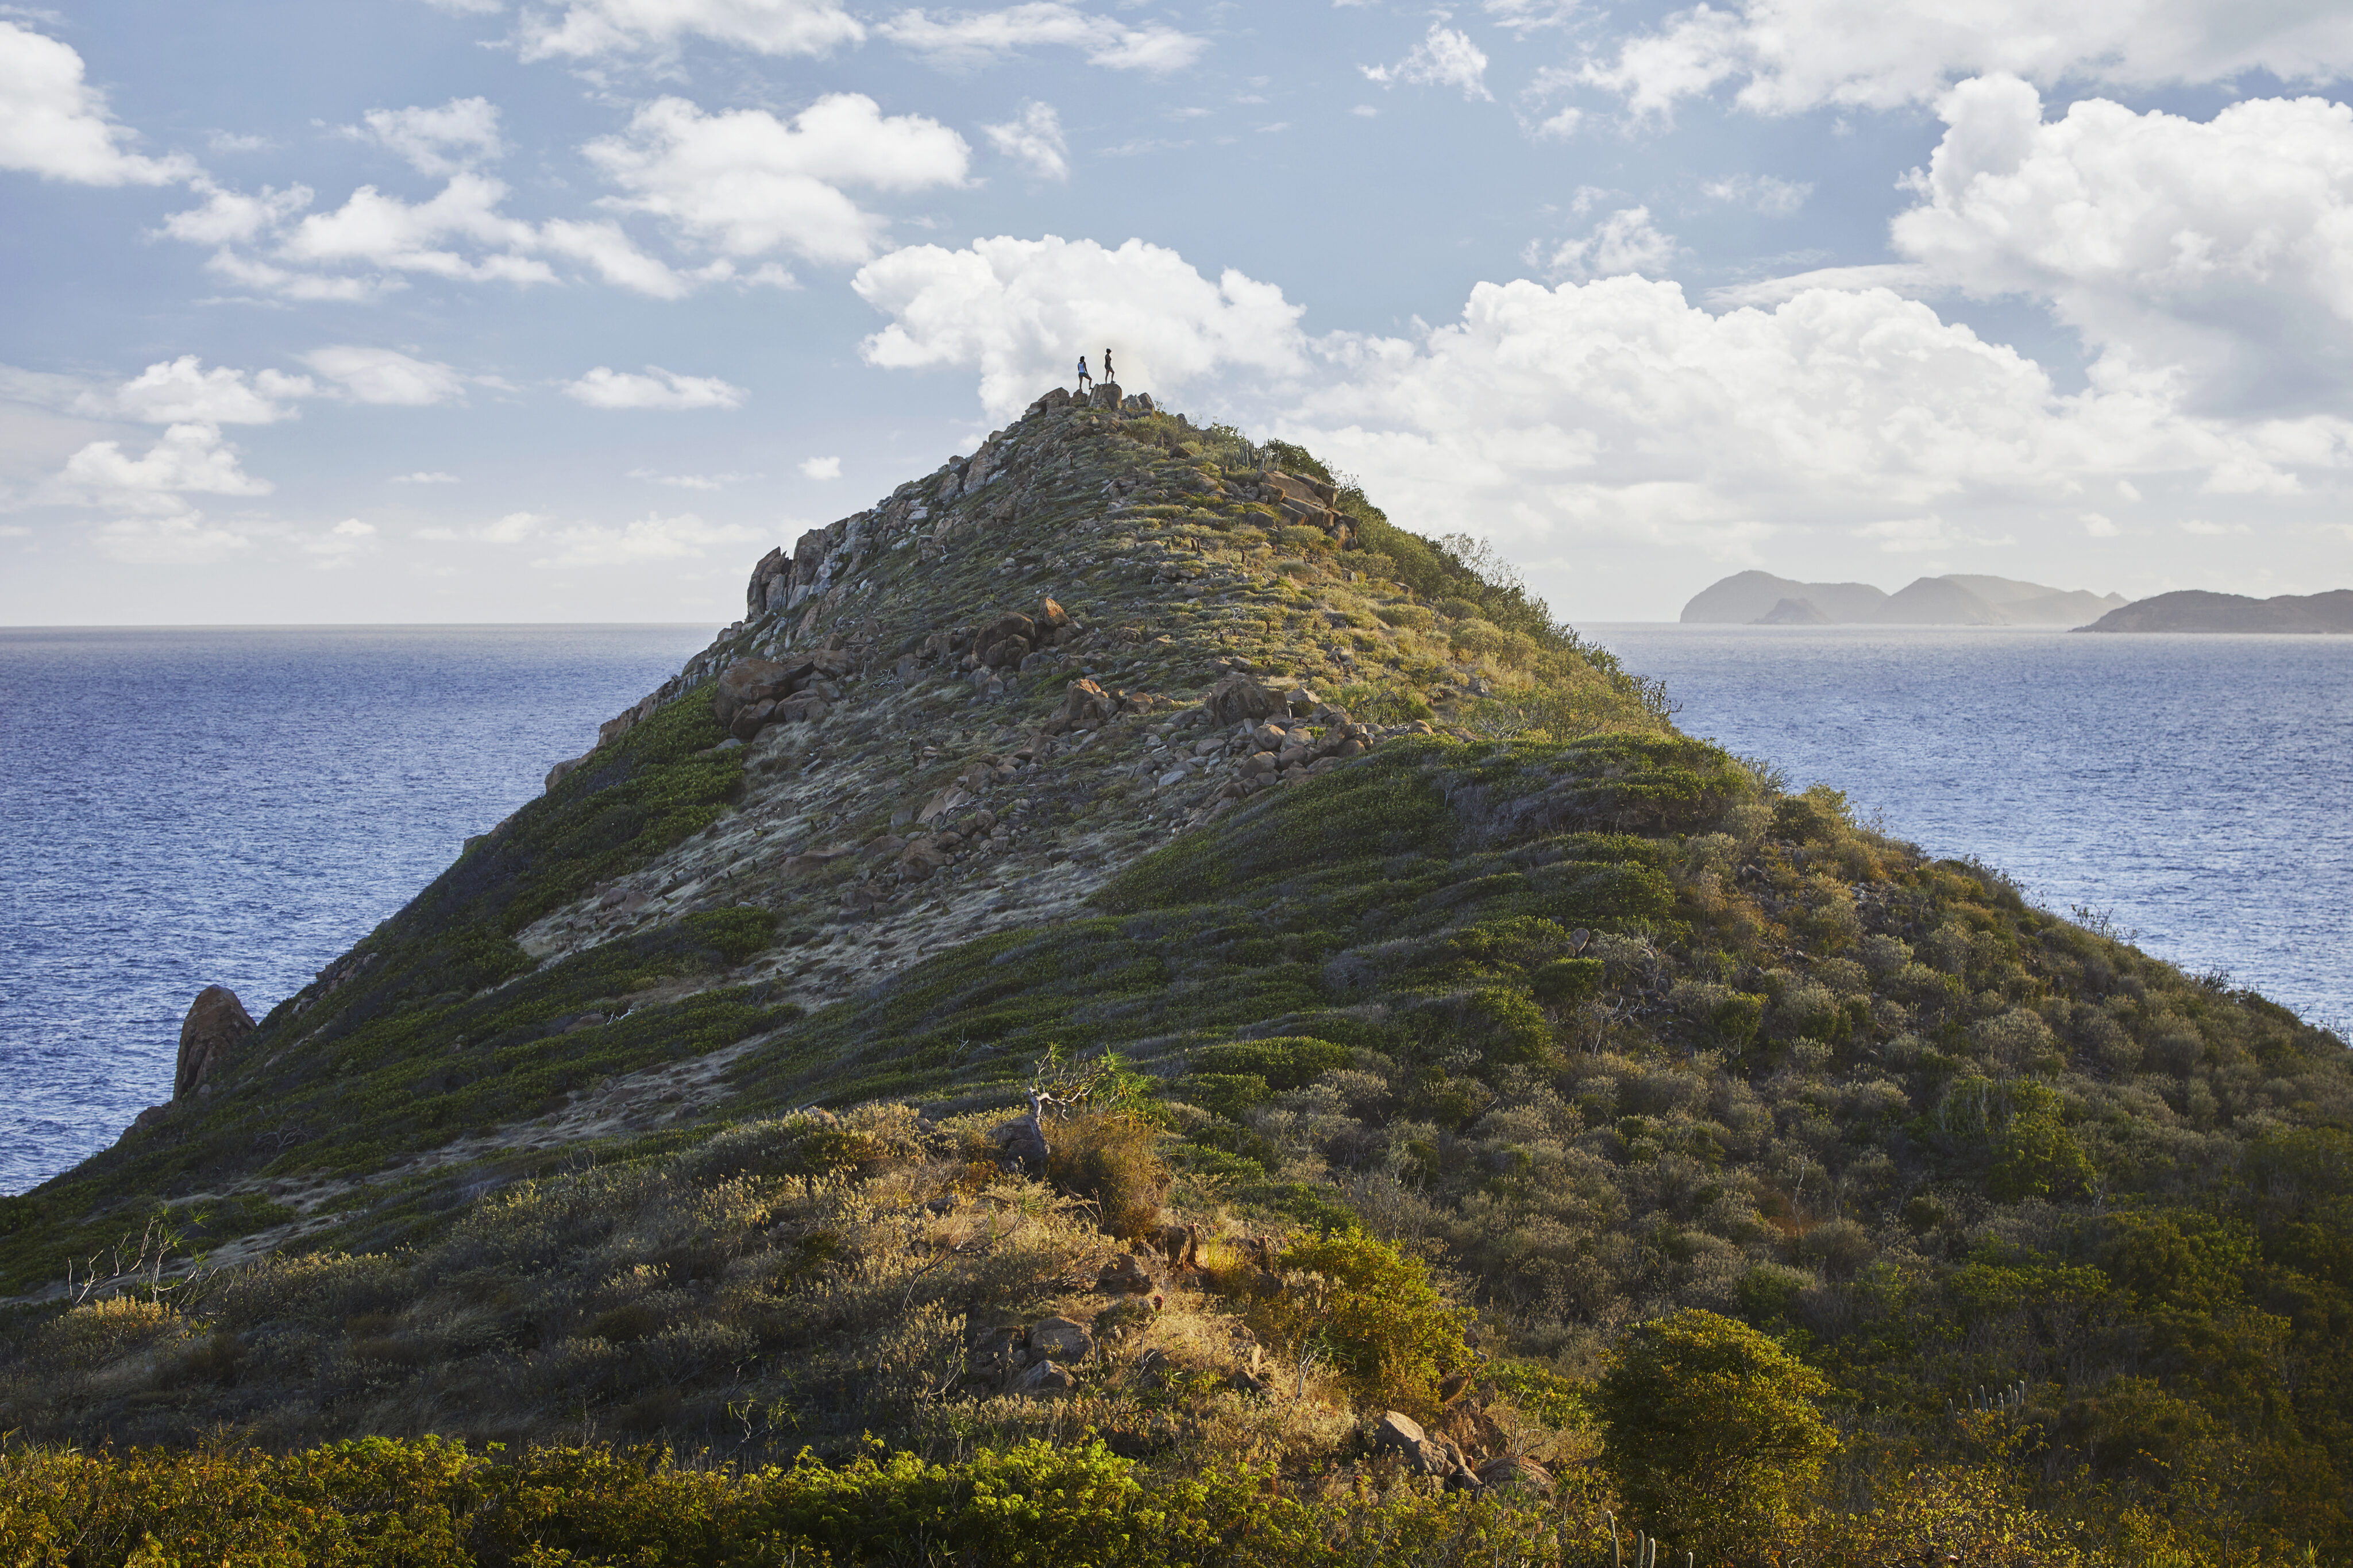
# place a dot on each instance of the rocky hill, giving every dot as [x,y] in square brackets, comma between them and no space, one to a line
[2195,610]
[1125,966]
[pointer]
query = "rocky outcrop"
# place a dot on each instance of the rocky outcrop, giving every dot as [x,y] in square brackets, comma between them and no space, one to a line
[215,1024]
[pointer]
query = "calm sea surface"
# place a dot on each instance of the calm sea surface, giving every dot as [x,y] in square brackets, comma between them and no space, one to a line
[180,808]
[2199,790]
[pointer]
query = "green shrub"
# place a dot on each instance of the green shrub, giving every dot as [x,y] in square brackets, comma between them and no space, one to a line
[1710,1430]
[1568,981]
[1372,1313]
[1284,1061]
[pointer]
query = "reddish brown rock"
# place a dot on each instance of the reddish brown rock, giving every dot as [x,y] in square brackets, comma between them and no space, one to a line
[751,682]
[215,1024]
[1239,699]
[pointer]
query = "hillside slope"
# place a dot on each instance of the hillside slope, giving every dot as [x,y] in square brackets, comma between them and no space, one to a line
[688,1105]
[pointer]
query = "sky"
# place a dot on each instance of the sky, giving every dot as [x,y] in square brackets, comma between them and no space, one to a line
[464,310]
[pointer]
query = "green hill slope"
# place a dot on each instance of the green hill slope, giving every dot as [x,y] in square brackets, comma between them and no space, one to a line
[1448,1054]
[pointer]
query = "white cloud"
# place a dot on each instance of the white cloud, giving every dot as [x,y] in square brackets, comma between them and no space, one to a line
[232,217]
[184,539]
[1625,241]
[1035,139]
[460,234]
[1790,56]
[650,538]
[588,28]
[1923,536]
[1898,277]
[237,141]
[461,133]
[1523,16]
[386,377]
[425,477]
[744,182]
[2221,249]
[689,481]
[1761,193]
[1019,312]
[189,457]
[173,391]
[1445,57]
[970,38]
[340,545]
[822,467]
[2100,527]
[56,125]
[604,387]
[1560,126]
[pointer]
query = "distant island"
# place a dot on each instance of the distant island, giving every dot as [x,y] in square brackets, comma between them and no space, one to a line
[1759,598]
[2195,610]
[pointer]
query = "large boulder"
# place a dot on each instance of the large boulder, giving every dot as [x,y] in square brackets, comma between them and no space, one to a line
[1005,641]
[1238,699]
[1086,706]
[215,1024]
[748,682]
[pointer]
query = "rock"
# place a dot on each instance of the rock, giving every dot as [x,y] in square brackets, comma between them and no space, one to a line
[215,1024]
[562,771]
[992,1353]
[1182,1242]
[1124,1276]
[1403,1434]
[1511,1473]
[1022,1142]
[154,1116]
[748,721]
[1086,706]
[1052,616]
[1005,641]
[1175,776]
[1137,403]
[1301,702]
[1061,1338]
[1239,700]
[922,857]
[1044,1378]
[750,682]
[1258,764]
[1106,396]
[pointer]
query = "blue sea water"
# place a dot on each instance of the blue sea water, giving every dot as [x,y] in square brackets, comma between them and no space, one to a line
[2198,790]
[179,808]
[186,807]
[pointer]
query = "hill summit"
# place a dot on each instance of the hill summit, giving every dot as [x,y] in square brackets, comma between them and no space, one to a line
[1134,1011]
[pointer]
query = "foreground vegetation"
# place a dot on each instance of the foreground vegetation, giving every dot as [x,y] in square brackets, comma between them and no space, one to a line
[1690,1158]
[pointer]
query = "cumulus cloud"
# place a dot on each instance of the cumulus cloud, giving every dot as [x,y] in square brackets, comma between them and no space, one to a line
[386,377]
[1611,415]
[2221,249]
[190,457]
[746,182]
[1034,139]
[1789,56]
[585,29]
[56,125]
[1445,57]
[969,39]
[604,387]
[341,546]
[1625,241]
[822,467]
[458,134]
[1019,312]
[362,250]
[1760,192]
[180,390]
[425,477]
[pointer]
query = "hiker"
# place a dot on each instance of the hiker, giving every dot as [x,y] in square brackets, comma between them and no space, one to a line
[1107,375]
[1084,379]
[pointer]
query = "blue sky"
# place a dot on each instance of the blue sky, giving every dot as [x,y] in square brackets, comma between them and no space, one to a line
[407,311]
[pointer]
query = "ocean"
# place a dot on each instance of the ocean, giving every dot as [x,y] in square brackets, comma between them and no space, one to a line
[2197,791]
[181,808]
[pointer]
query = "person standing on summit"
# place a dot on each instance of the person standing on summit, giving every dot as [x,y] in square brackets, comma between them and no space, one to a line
[1084,378]
[1108,376]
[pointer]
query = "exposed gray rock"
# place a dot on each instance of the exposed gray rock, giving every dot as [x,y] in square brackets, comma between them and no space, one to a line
[215,1024]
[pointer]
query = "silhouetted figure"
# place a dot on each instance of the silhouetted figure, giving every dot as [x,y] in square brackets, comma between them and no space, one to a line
[1107,375]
